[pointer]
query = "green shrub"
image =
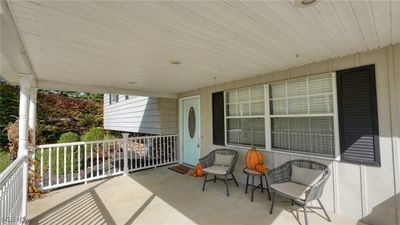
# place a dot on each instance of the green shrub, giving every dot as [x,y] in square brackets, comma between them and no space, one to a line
[68,137]
[108,136]
[94,134]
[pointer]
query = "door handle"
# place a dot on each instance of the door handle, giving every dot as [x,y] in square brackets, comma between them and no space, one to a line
[198,145]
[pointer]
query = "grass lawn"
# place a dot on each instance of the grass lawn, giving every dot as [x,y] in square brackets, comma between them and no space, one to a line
[4,160]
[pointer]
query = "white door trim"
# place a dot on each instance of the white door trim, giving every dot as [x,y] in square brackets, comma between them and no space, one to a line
[180,124]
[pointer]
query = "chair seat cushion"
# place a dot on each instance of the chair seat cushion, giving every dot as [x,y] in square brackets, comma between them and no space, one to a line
[294,190]
[218,170]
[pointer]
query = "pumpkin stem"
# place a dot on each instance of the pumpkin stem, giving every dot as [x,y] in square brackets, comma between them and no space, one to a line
[253,148]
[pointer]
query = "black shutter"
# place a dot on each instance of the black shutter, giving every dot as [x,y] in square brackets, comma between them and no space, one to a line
[218,118]
[358,115]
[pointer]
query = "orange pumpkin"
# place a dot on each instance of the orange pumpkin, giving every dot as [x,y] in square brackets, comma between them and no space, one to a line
[198,172]
[253,158]
[260,168]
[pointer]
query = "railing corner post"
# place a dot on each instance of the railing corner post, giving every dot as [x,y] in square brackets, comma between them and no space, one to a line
[126,169]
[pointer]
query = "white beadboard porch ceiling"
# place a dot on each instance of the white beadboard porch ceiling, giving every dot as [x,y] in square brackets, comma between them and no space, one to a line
[111,43]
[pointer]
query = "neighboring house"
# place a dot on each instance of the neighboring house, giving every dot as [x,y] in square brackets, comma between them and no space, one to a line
[148,115]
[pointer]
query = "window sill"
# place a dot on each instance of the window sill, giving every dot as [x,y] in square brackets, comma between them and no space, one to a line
[304,155]
[277,151]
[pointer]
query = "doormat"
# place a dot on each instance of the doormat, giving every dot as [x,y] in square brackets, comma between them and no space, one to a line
[180,169]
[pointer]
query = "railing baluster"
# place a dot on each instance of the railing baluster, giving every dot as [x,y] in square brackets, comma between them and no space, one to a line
[119,156]
[132,152]
[91,160]
[79,162]
[97,159]
[102,153]
[175,150]
[108,158]
[85,163]
[136,155]
[164,149]
[65,164]
[57,164]
[41,166]
[72,163]
[169,148]
[151,150]
[142,144]
[114,157]
[157,148]
[49,169]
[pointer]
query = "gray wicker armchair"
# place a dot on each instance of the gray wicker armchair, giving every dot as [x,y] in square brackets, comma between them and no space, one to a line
[287,183]
[221,168]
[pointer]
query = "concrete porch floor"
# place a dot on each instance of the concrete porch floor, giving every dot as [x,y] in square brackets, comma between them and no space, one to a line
[161,196]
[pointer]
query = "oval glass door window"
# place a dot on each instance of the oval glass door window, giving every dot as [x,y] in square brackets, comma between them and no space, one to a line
[192,122]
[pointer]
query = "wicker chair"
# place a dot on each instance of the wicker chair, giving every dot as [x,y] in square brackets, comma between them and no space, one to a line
[219,172]
[282,175]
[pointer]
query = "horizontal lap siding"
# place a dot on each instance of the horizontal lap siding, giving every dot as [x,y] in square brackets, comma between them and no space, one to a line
[357,191]
[141,114]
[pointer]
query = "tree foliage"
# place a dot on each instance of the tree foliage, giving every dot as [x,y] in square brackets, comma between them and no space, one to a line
[9,103]
[58,112]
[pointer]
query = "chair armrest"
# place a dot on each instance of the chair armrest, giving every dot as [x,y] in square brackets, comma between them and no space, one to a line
[206,161]
[279,174]
[316,190]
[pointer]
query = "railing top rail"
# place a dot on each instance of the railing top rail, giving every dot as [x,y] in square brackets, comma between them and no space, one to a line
[99,141]
[77,143]
[4,176]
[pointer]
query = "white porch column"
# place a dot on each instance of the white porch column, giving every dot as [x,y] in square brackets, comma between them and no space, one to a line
[32,113]
[126,169]
[25,85]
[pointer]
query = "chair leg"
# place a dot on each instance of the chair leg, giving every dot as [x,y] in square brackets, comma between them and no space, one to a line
[234,179]
[252,187]
[247,183]
[305,215]
[215,178]
[205,180]
[323,209]
[272,204]
[261,183]
[266,182]
[226,184]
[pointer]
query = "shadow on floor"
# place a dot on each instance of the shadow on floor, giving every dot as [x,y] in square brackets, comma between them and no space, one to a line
[161,196]
[84,208]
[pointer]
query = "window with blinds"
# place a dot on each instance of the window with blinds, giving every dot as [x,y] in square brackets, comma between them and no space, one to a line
[302,115]
[245,116]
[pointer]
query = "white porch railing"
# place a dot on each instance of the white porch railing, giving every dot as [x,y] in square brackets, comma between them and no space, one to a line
[71,163]
[12,194]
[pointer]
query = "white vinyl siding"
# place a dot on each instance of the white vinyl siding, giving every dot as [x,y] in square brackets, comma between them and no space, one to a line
[141,114]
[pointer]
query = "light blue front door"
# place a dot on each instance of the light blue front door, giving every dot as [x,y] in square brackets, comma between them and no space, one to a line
[191,130]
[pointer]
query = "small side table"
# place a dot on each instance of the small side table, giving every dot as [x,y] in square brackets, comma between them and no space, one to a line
[253,174]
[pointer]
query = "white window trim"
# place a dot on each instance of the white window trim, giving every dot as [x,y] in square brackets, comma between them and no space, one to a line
[267,121]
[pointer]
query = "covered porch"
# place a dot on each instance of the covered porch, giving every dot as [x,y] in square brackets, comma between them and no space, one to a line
[161,196]
[179,50]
